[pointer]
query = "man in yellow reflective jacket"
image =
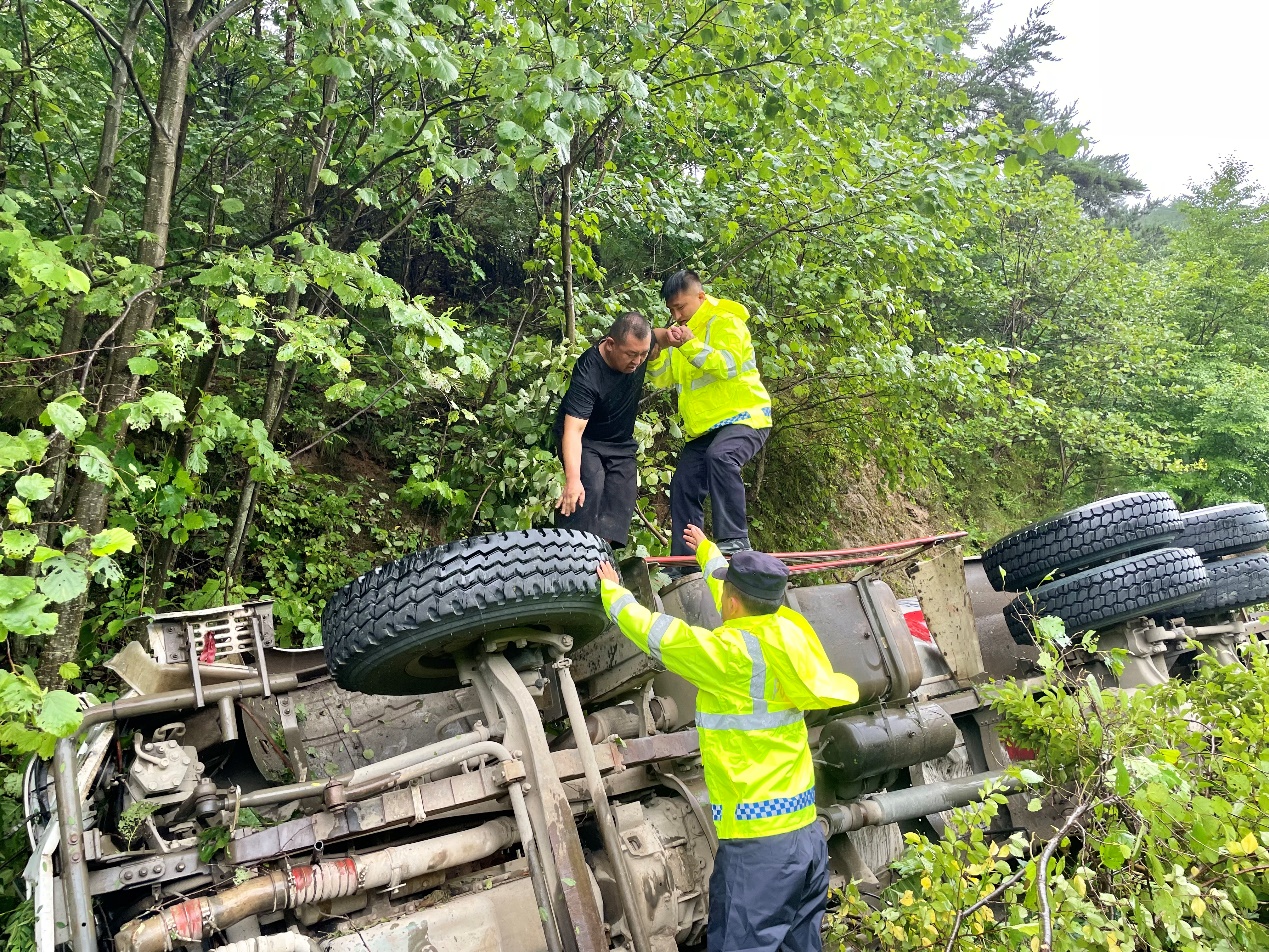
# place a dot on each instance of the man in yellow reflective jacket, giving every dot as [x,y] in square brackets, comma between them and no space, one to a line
[755,674]
[726,410]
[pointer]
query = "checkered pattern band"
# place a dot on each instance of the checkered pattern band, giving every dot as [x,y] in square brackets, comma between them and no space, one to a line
[717,812]
[778,806]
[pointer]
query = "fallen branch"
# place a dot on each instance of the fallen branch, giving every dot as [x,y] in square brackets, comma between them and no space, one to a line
[1042,877]
[331,432]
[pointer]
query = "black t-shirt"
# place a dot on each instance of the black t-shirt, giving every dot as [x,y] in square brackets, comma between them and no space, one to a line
[607,399]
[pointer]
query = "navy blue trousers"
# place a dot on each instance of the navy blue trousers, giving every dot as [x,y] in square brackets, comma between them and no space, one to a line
[768,894]
[710,465]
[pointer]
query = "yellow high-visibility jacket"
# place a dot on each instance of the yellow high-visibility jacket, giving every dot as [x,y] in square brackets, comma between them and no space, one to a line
[715,373]
[755,678]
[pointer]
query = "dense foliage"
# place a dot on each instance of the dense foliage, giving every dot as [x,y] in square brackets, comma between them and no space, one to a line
[290,289]
[1160,839]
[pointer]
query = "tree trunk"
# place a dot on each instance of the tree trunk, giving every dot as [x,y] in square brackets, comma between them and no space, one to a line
[73,327]
[203,374]
[566,250]
[119,384]
[281,376]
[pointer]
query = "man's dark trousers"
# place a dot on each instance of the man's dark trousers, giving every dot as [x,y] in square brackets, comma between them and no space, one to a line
[768,894]
[610,476]
[710,466]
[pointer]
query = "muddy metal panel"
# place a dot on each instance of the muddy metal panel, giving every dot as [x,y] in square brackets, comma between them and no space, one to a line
[883,663]
[503,919]
[1001,656]
[335,731]
[940,583]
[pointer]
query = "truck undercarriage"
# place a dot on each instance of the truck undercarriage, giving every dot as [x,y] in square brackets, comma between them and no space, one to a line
[527,780]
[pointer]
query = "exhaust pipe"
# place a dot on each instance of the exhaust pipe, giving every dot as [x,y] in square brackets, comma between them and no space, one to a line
[895,806]
[197,919]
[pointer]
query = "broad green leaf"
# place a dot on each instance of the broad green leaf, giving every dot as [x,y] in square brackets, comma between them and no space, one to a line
[113,540]
[167,408]
[143,366]
[509,131]
[231,206]
[18,511]
[65,577]
[33,486]
[18,543]
[15,587]
[96,465]
[69,671]
[69,421]
[505,179]
[28,446]
[27,616]
[59,714]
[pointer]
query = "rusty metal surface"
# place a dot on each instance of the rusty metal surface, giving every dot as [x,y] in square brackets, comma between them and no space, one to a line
[448,796]
[611,665]
[577,912]
[145,871]
[1002,657]
[333,731]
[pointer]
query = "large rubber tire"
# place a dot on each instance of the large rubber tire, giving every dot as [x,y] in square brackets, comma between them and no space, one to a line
[1090,535]
[395,629]
[1225,530]
[1109,594]
[1233,583]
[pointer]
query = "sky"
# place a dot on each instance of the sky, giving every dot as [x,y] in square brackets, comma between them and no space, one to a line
[1174,85]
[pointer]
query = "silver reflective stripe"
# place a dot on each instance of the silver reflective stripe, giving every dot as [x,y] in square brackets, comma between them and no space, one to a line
[730,361]
[757,672]
[714,564]
[665,368]
[704,381]
[655,634]
[699,360]
[750,364]
[747,722]
[761,719]
[620,605]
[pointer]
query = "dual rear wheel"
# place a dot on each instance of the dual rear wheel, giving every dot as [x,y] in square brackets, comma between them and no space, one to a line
[1131,556]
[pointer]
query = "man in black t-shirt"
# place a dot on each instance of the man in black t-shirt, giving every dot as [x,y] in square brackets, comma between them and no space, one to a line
[594,430]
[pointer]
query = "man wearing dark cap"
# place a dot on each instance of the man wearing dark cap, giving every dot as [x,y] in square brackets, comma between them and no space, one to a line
[755,674]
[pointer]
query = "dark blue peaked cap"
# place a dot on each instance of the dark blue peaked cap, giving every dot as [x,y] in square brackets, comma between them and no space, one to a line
[756,574]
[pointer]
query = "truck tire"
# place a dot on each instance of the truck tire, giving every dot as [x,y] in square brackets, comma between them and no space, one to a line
[1233,583]
[395,629]
[1225,530]
[1090,535]
[1109,594]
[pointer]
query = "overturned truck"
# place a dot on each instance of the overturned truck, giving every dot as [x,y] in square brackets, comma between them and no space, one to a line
[476,760]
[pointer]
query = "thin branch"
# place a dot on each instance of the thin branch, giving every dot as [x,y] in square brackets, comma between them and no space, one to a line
[83,378]
[114,44]
[1042,877]
[221,17]
[331,432]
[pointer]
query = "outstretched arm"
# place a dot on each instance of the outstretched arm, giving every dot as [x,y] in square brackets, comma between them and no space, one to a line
[670,641]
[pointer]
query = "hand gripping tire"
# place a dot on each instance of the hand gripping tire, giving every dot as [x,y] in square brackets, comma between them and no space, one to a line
[1233,583]
[1090,535]
[395,629]
[1109,594]
[1224,530]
